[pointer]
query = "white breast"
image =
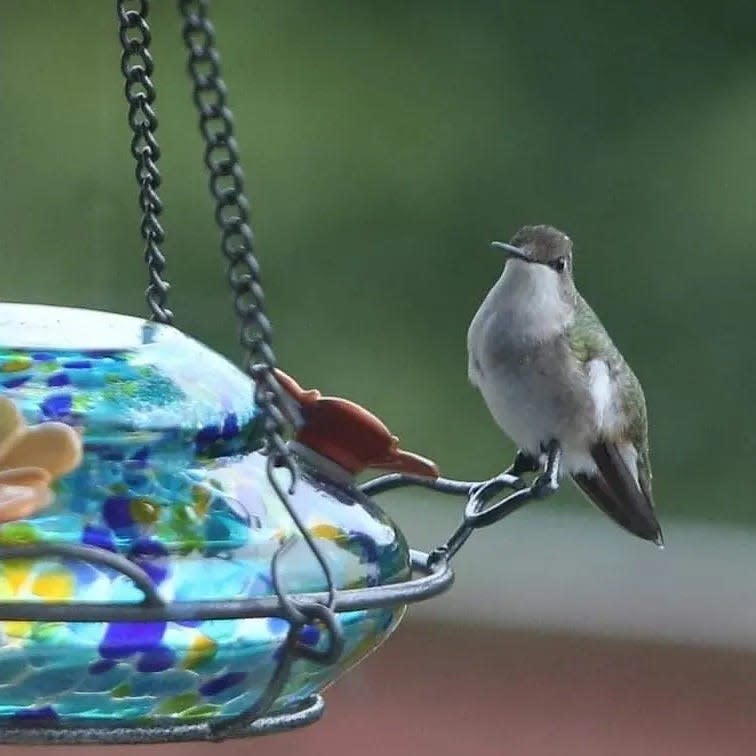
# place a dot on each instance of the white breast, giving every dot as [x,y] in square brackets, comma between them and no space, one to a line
[534,391]
[529,297]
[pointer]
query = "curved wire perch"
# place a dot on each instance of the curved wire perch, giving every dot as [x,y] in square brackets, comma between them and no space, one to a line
[478,513]
[442,485]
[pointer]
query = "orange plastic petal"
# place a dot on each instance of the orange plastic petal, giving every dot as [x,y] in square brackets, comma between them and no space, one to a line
[52,446]
[12,426]
[17,502]
[25,476]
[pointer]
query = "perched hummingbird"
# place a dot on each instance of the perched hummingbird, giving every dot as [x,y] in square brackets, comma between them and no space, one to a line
[552,378]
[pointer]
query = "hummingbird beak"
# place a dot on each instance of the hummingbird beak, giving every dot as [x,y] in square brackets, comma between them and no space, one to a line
[512,251]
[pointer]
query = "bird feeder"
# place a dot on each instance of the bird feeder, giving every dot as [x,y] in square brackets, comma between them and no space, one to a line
[185,552]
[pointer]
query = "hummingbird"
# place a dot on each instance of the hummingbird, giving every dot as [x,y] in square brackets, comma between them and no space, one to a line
[557,385]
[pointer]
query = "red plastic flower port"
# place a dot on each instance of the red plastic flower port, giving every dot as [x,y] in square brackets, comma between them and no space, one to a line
[350,435]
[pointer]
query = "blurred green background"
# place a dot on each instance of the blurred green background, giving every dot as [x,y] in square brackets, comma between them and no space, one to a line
[385,144]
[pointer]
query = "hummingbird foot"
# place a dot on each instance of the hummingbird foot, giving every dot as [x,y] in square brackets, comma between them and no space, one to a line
[548,481]
[523,463]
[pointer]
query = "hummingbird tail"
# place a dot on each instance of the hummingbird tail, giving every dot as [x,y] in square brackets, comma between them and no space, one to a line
[615,490]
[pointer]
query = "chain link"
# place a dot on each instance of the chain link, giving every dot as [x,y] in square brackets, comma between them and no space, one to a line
[137,68]
[226,183]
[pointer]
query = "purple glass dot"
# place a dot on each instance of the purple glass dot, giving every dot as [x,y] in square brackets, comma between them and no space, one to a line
[309,635]
[151,557]
[157,660]
[42,715]
[230,427]
[96,535]
[117,512]
[207,436]
[145,548]
[15,382]
[58,379]
[216,685]
[124,639]
[368,545]
[78,364]
[57,406]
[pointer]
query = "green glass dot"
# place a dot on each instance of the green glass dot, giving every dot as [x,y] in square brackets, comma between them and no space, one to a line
[178,704]
[121,691]
[204,711]
[18,532]
[47,632]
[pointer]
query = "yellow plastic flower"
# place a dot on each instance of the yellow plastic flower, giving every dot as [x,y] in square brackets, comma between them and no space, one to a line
[30,459]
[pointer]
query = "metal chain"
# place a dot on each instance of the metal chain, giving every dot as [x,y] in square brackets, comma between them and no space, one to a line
[137,67]
[226,182]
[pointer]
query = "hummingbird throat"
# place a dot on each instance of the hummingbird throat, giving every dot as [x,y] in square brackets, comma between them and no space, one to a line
[534,300]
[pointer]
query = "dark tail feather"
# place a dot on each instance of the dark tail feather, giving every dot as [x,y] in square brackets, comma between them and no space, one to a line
[615,491]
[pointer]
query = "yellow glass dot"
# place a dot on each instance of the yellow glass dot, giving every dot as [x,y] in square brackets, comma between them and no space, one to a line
[201,500]
[144,512]
[54,585]
[16,364]
[17,629]
[202,649]
[16,573]
[327,531]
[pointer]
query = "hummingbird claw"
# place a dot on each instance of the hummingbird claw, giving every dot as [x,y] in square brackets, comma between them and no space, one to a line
[544,485]
[523,463]
[548,481]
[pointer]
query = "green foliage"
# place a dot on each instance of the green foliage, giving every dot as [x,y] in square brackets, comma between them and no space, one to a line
[386,143]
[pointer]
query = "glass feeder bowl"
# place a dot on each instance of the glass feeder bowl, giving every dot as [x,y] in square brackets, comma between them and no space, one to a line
[171,480]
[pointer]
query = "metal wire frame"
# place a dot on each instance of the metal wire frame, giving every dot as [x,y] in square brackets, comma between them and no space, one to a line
[435,577]
[432,575]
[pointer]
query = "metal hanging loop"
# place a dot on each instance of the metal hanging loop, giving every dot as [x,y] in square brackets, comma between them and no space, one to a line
[137,67]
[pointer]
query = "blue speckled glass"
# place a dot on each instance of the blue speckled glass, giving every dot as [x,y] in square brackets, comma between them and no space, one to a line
[170,478]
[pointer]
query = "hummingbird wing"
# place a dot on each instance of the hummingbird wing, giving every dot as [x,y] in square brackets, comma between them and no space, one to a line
[616,491]
[621,485]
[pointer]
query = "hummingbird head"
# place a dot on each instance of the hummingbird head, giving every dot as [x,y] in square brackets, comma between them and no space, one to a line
[537,279]
[541,245]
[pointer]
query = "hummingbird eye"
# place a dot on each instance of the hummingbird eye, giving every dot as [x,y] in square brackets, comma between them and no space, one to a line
[559,264]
